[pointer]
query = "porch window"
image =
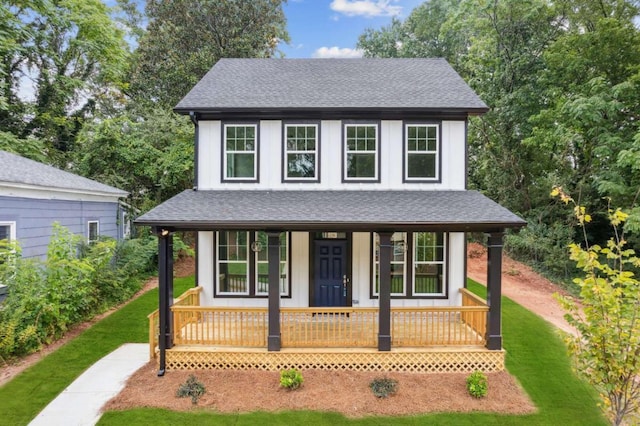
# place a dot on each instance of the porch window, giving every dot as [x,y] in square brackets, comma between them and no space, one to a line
[301,152]
[418,264]
[428,263]
[93,231]
[361,152]
[421,156]
[240,152]
[233,266]
[243,264]
[398,264]
[262,265]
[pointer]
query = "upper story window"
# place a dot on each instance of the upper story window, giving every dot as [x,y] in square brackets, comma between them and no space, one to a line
[93,231]
[240,152]
[301,153]
[361,153]
[421,152]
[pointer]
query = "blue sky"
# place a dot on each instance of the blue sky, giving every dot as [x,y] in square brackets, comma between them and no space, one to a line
[330,28]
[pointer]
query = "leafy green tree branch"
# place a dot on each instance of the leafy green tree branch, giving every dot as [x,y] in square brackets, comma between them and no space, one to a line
[607,349]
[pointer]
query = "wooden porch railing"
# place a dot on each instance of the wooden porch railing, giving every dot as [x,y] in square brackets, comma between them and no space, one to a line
[190,297]
[195,325]
[154,330]
[329,327]
[476,320]
[324,327]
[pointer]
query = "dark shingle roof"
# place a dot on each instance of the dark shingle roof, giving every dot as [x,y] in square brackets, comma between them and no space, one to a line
[280,84]
[331,210]
[22,171]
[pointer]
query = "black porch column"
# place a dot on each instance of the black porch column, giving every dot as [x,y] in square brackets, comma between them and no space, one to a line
[165,289]
[494,290]
[273,338]
[384,293]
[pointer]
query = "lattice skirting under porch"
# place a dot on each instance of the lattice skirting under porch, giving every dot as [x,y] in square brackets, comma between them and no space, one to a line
[460,361]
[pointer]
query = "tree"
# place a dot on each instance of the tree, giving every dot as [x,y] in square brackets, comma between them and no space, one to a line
[607,348]
[497,47]
[185,38]
[150,155]
[421,35]
[30,147]
[72,52]
[562,83]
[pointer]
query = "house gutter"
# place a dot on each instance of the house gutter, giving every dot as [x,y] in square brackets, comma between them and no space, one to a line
[194,119]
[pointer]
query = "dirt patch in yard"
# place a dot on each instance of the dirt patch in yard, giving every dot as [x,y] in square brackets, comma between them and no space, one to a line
[346,392]
[521,284]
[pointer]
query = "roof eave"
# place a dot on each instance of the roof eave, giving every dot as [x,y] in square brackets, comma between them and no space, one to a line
[333,226]
[329,112]
[28,186]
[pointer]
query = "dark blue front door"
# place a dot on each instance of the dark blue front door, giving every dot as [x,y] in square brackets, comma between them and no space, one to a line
[330,272]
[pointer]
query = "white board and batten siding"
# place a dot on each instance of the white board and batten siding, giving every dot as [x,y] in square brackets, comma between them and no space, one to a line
[360,277]
[270,145]
[452,145]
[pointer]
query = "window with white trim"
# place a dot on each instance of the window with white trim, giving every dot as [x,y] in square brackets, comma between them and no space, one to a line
[429,261]
[361,152]
[93,231]
[418,264]
[301,152]
[7,255]
[262,265]
[242,264]
[398,264]
[8,231]
[421,153]
[240,153]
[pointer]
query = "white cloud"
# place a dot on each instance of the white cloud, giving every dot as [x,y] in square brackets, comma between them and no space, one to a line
[337,52]
[367,8]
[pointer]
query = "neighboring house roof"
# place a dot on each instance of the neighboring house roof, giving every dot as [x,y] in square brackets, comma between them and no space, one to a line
[352,210]
[363,84]
[17,171]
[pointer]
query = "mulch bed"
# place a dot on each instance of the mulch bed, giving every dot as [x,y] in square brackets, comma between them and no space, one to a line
[346,392]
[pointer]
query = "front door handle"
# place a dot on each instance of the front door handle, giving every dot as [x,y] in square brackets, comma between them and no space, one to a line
[345,281]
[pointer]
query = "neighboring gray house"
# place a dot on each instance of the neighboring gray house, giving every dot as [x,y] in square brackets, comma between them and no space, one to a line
[33,196]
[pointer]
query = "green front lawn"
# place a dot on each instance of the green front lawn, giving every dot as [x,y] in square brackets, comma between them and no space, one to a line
[536,356]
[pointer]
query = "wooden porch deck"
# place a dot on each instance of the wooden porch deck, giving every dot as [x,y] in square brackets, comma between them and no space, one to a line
[423,339]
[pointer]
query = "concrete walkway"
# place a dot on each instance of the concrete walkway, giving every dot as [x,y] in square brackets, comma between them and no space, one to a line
[80,403]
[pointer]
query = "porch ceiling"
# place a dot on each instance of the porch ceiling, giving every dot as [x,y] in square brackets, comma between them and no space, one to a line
[332,211]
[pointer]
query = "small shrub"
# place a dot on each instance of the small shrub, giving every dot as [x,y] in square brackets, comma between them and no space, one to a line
[383,387]
[192,388]
[477,384]
[291,379]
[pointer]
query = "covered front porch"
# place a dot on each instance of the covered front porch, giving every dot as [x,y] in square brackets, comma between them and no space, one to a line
[411,334]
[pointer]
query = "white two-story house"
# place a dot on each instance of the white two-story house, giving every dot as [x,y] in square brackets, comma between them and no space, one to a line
[331,206]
